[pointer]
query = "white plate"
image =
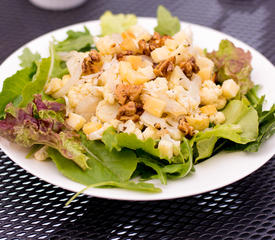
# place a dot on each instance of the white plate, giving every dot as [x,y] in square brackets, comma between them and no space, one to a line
[219,171]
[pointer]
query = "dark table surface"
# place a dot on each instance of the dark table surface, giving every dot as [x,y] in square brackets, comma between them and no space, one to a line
[33,209]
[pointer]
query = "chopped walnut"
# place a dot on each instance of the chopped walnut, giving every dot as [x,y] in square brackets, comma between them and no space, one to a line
[185,127]
[146,47]
[92,63]
[128,96]
[121,55]
[165,67]
[129,111]
[127,92]
[189,67]
[157,126]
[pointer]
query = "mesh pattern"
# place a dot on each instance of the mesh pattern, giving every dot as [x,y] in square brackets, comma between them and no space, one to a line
[33,209]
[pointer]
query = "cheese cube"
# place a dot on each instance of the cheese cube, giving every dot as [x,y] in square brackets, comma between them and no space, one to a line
[230,88]
[75,121]
[150,132]
[153,105]
[171,44]
[91,127]
[127,74]
[160,54]
[208,109]
[199,122]
[166,148]
[136,61]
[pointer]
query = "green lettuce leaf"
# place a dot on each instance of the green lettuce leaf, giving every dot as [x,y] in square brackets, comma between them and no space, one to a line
[37,84]
[59,68]
[27,58]
[167,24]
[232,62]
[241,126]
[79,41]
[14,85]
[114,140]
[116,23]
[104,168]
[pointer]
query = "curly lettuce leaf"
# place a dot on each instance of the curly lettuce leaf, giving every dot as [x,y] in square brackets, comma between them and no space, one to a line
[42,122]
[114,140]
[167,24]
[232,62]
[78,41]
[116,23]
[27,58]
[14,85]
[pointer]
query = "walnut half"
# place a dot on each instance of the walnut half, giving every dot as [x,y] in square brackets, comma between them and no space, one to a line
[92,63]
[165,67]
[189,67]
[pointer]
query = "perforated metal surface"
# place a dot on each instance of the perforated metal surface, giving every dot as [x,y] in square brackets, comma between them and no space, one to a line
[33,209]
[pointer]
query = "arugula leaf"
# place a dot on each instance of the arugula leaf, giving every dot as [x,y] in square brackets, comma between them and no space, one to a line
[232,62]
[167,24]
[79,41]
[37,84]
[28,58]
[104,168]
[116,23]
[14,85]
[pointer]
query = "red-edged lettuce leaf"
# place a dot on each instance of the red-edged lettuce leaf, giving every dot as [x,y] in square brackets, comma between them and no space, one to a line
[42,122]
[232,62]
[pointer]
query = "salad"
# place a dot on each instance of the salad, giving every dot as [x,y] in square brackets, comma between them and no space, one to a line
[128,106]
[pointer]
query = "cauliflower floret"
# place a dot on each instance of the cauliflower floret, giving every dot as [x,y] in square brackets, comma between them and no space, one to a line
[210,92]
[217,118]
[230,89]
[221,102]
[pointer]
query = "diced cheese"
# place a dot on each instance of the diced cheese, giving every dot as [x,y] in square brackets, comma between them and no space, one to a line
[153,105]
[75,121]
[230,89]
[199,122]
[91,127]
[166,148]
[160,54]
[209,109]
